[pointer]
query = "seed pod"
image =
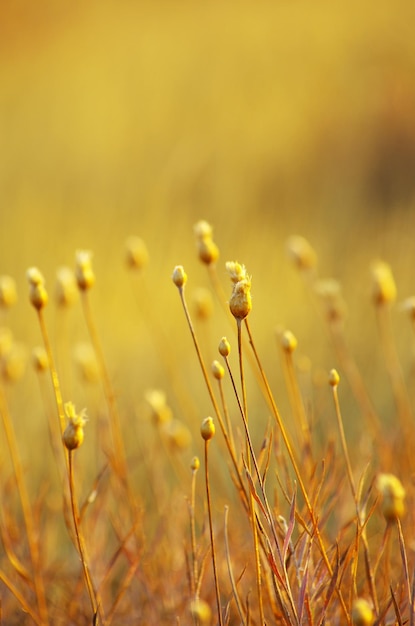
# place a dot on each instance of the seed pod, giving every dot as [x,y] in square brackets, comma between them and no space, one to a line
[334,378]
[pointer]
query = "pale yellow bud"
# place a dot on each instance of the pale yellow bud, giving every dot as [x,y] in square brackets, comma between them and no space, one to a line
[37,293]
[224,347]
[301,252]
[195,464]
[73,435]
[218,370]
[362,613]
[240,303]
[136,253]
[334,378]
[208,251]
[288,341]
[203,303]
[207,430]
[393,496]
[8,293]
[179,276]
[40,359]
[84,273]
[66,291]
[383,283]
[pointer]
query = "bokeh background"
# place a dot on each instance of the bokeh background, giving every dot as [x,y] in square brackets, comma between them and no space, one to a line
[266,119]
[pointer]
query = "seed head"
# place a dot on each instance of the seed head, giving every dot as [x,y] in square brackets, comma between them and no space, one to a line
[393,496]
[37,293]
[334,378]
[224,347]
[218,370]
[362,613]
[240,303]
[136,253]
[66,291]
[8,293]
[73,435]
[301,252]
[236,271]
[84,273]
[207,430]
[288,341]
[383,283]
[179,276]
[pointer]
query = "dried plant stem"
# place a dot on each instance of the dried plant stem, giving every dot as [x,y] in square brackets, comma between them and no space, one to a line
[26,508]
[212,540]
[231,576]
[248,461]
[212,397]
[297,404]
[194,574]
[361,527]
[95,603]
[294,463]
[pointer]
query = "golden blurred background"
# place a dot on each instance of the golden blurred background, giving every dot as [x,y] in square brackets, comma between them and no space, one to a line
[266,119]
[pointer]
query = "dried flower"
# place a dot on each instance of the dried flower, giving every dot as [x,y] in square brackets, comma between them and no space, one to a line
[73,435]
[160,411]
[207,249]
[14,362]
[236,271]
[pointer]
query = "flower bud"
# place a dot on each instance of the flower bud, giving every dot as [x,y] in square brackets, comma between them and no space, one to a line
[179,276]
[195,464]
[334,378]
[288,341]
[37,293]
[83,269]
[218,370]
[240,303]
[73,435]
[383,283]
[393,496]
[207,430]
[301,252]
[362,613]
[66,291]
[224,347]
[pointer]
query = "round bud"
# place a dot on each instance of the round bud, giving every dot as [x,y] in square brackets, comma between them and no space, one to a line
[200,611]
[208,251]
[84,273]
[195,464]
[288,341]
[73,435]
[224,347]
[362,613]
[179,276]
[37,293]
[334,378]
[207,430]
[218,370]
[40,359]
[393,496]
[240,303]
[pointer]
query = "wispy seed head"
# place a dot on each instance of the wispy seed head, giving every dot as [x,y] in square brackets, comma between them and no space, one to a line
[236,271]
[179,276]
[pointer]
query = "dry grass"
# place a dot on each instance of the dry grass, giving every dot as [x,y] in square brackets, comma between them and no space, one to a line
[267,121]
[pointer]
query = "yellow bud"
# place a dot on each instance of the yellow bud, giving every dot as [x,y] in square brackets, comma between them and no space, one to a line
[362,613]
[66,291]
[383,283]
[334,378]
[208,251]
[224,347]
[200,611]
[136,253]
[207,430]
[37,293]
[393,496]
[240,303]
[288,341]
[218,370]
[179,276]
[8,293]
[73,435]
[40,359]
[83,269]
[195,464]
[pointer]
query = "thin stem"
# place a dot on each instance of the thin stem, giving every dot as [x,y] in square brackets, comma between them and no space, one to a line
[194,569]
[212,540]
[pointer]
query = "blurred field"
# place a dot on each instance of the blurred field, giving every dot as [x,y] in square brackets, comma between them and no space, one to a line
[266,119]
